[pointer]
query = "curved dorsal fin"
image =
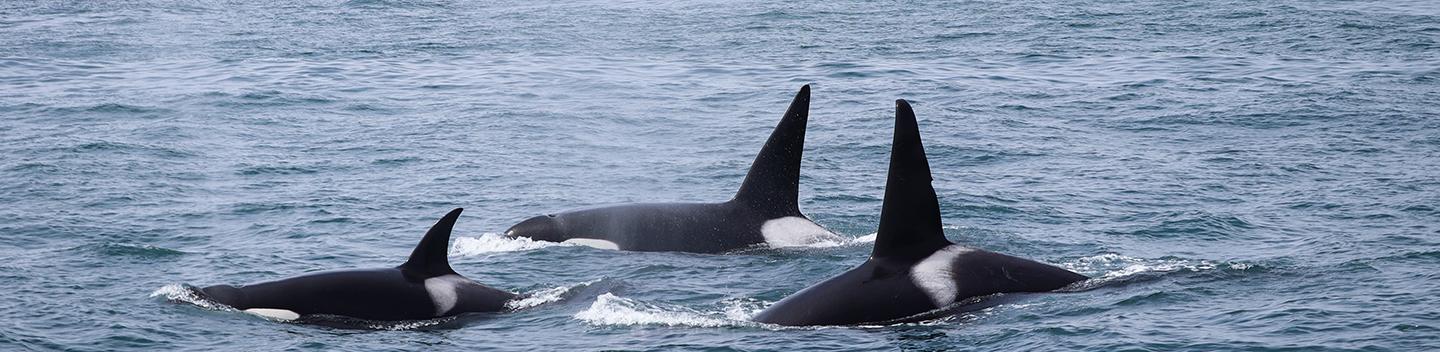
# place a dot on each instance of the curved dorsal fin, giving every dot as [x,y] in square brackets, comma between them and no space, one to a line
[910,216]
[773,183]
[429,258]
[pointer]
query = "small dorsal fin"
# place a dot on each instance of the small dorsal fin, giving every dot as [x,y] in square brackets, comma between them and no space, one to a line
[773,183]
[910,216]
[430,257]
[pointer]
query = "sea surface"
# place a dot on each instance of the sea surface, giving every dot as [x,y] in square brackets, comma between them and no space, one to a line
[1234,175]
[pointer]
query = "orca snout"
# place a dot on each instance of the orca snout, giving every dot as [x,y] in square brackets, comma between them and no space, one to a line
[543,228]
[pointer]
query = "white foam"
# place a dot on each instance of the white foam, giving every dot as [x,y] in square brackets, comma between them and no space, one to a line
[179,293]
[934,275]
[1115,266]
[544,296]
[866,238]
[744,309]
[489,243]
[408,324]
[495,243]
[593,243]
[837,241]
[610,309]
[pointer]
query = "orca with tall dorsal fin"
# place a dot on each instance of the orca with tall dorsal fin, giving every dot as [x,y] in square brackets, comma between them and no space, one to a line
[914,270]
[424,287]
[765,211]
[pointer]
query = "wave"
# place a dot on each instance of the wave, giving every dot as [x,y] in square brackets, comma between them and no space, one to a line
[125,249]
[490,242]
[403,325]
[1186,224]
[832,241]
[613,310]
[344,322]
[543,296]
[1115,268]
[181,293]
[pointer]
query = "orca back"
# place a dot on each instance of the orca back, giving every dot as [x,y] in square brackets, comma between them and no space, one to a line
[424,287]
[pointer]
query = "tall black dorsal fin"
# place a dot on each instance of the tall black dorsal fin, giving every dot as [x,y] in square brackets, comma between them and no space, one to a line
[430,257]
[910,217]
[773,184]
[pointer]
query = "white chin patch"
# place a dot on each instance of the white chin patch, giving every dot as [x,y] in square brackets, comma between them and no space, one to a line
[277,314]
[935,276]
[591,242]
[444,291]
[792,231]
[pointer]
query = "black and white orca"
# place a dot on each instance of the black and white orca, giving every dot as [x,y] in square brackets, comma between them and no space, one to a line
[424,287]
[913,271]
[765,210]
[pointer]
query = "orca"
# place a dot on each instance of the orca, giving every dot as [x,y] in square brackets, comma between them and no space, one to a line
[424,287]
[765,210]
[913,271]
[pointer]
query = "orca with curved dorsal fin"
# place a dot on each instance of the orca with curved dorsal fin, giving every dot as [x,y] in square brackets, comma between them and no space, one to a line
[424,287]
[913,269]
[765,211]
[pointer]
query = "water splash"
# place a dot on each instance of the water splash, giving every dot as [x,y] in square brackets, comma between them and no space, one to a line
[181,293]
[490,243]
[743,309]
[549,295]
[833,241]
[496,243]
[401,325]
[1115,267]
[610,309]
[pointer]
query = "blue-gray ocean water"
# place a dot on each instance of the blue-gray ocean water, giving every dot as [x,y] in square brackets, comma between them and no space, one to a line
[1235,175]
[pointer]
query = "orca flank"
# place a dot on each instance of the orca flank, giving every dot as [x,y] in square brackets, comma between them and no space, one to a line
[765,210]
[913,271]
[424,287]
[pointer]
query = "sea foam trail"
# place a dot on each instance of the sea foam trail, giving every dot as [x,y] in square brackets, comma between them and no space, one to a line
[833,241]
[610,309]
[1115,267]
[489,243]
[543,296]
[496,243]
[180,293]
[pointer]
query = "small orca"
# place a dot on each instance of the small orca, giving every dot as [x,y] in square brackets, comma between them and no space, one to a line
[765,210]
[424,287]
[913,270]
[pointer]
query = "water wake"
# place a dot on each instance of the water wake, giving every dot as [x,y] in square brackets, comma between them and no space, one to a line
[490,243]
[180,293]
[831,241]
[1115,268]
[496,243]
[543,296]
[613,310]
[835,241]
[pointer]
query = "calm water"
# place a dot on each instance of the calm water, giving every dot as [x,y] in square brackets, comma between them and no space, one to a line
[1236,176]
